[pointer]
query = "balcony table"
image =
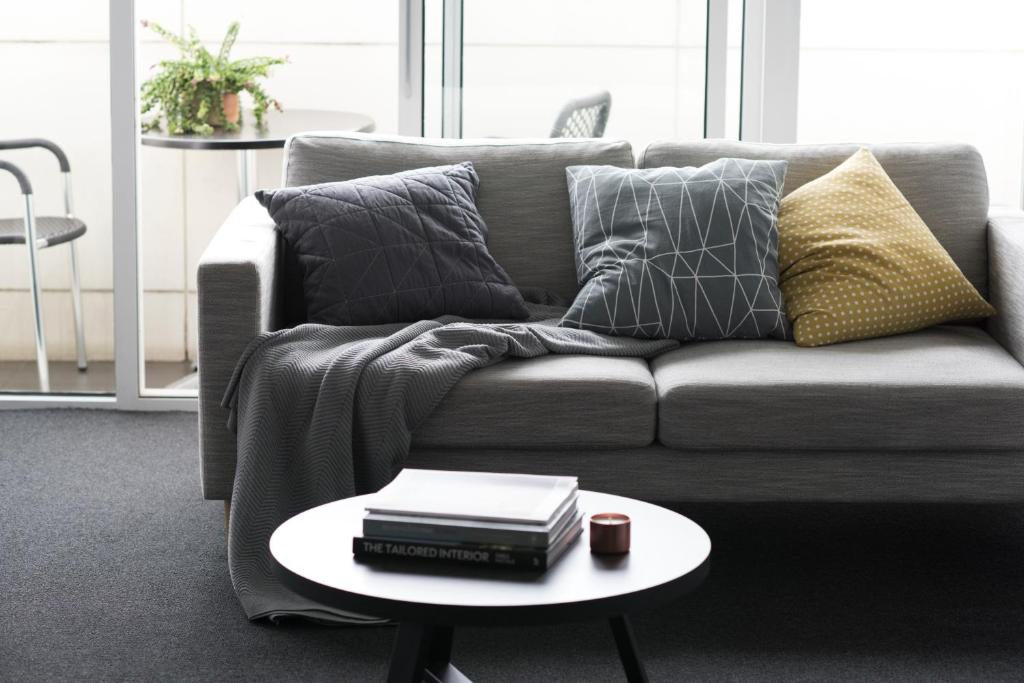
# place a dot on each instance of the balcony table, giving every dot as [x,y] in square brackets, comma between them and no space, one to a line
[248,138]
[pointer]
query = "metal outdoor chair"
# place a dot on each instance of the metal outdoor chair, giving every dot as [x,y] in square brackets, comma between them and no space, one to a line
[39,232]
[585,117]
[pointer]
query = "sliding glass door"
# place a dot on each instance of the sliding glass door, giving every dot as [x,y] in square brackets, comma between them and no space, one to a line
[340,72]
[472,68]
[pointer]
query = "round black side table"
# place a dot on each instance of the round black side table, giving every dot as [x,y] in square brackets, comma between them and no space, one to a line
[279,126]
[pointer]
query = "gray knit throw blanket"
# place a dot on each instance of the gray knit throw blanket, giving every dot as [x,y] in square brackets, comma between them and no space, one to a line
[323,413]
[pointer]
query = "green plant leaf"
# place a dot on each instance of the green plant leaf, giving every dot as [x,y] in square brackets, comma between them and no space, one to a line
[228,43]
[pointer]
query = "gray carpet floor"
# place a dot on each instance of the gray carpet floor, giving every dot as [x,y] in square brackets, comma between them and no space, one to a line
[112,567]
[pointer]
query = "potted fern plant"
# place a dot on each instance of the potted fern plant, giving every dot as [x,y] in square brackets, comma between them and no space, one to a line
[198,92]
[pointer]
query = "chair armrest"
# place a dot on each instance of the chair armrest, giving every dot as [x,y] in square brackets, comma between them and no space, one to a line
[25,143]
[237,301]
[1006,280]
[19,175]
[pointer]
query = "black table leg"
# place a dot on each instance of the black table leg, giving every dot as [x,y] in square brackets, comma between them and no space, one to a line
[409,655]
[423,652]
[626,644]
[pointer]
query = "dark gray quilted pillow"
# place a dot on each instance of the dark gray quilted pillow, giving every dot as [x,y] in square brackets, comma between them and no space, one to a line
[398,248]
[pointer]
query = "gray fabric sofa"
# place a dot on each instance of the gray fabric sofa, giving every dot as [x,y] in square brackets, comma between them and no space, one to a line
[936,415]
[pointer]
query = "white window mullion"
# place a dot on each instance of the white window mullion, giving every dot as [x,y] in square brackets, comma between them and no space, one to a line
[753,76]
[123,141]
[451,70]
[715,71]
[771,70]
[410,67]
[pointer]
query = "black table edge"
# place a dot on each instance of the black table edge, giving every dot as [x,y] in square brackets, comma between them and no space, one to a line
[192,141]
[172,142]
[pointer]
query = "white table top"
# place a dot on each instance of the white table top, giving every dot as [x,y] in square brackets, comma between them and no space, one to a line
[669,556]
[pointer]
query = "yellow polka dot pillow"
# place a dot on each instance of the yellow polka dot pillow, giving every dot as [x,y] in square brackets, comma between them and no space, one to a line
[856,261]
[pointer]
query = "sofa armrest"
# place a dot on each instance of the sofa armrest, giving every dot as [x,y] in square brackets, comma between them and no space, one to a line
[237,301]
[1006,279]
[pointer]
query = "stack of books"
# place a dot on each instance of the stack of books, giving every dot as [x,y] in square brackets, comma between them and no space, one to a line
[518,521]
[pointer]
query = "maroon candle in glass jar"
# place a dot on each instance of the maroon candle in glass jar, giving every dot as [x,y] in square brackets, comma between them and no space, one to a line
[609,533]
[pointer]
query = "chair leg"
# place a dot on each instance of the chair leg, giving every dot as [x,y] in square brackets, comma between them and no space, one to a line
[76,302]
[42,364]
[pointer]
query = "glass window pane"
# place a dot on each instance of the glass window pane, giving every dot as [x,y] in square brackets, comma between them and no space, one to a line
[54,74]
[523,61]
[918,70]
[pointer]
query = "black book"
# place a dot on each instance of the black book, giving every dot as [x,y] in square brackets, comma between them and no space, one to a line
[478,554]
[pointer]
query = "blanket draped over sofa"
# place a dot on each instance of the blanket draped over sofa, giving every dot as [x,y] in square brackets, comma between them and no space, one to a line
[323,413]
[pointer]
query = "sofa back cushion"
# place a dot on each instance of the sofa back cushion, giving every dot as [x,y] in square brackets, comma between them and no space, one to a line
[522,195]
[945,183]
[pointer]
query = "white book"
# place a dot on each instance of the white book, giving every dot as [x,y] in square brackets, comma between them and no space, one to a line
[418,527]
[485,496]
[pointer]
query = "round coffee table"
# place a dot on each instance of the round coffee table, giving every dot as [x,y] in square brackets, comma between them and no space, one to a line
[669,557]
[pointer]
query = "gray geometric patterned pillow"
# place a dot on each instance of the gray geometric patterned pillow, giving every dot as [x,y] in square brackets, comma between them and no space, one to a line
[683,253]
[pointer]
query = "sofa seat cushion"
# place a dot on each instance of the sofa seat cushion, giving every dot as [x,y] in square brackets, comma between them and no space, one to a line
[577,401]
[946,388]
